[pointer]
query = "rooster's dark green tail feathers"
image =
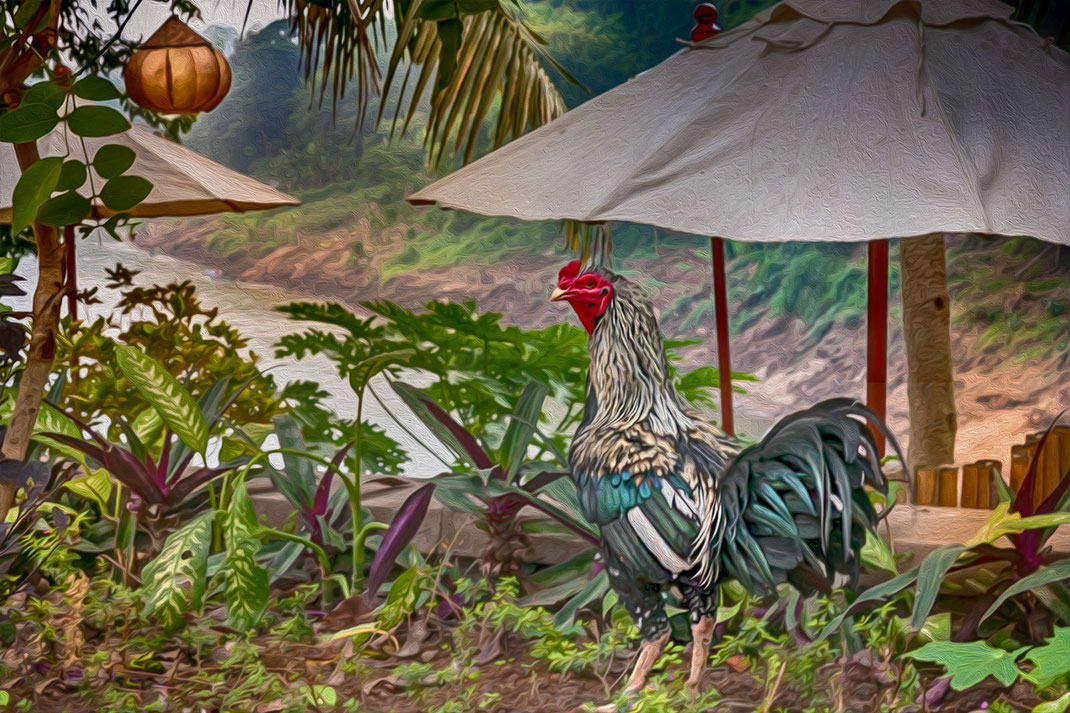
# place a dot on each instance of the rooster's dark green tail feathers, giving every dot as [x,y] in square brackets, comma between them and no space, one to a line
[797,502]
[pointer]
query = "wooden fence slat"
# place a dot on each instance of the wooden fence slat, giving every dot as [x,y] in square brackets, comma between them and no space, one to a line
[995,478]
[1062,436]
[986,472]
[948,486]
[1020,456]
[973,480]
[925,486]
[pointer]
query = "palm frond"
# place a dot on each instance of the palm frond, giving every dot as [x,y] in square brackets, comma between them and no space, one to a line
[476,51]
[339,37]
[589,240]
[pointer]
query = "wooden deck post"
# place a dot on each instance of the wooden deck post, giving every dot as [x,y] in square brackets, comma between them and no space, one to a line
[877,335]
[724,358]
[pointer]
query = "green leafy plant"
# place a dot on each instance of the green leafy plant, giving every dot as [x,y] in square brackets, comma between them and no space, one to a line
[1015,578]
[170,324]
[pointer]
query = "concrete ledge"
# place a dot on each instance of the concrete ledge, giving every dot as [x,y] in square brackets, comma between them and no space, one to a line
[915,529]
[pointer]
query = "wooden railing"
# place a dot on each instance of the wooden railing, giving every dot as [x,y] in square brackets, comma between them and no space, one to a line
[940,485]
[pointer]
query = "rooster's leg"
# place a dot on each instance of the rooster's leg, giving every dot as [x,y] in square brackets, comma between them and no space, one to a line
[648,656]
[701,635]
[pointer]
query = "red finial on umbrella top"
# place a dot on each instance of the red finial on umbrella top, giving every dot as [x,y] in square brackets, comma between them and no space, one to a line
[705,19]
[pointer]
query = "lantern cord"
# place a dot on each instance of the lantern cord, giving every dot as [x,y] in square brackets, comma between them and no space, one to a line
[110,42]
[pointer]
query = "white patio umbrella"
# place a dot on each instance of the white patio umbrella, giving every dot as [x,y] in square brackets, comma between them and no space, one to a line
[818,120]
[184,183]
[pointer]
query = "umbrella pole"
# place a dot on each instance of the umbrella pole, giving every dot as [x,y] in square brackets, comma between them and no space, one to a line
[877,335]
[72,273]
[724,359]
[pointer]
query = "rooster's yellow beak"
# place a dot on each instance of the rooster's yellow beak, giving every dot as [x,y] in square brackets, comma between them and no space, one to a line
[558,295]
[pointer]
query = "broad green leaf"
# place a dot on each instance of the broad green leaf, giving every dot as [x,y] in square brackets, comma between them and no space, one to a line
[68,208]
[72,176]
[45,93]
[245,583]
[936,628]
[1059,705]
[49,420]
[95,88]
[112,160]
[124,192]
[95,487]
[174,404]
[1054,573]
[319,695]
[1051,662]
[994,526]
[33,189]
[148,425]
[174,582]
[95,121]
[363,372]
[23,15]
[522,426]
[594,590]
[930,577]
[726,613]
[877,554]
[876,593]
[233,448]
[970,663]
[28,122]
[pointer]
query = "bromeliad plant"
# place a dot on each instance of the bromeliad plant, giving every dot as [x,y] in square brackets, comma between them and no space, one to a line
[1010,581]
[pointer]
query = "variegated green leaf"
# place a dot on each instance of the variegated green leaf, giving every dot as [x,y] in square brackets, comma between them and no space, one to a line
[174,582]
[245,583]
[49,420]
[95,487]
[174,403]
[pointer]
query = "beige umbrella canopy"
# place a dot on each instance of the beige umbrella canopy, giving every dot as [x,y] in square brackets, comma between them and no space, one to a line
[184,182]
[819,120]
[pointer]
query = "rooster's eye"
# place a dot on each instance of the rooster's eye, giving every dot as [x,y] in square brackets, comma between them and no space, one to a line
[590,283]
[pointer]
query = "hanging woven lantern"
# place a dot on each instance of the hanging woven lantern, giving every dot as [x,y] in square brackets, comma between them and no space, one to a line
[176,71]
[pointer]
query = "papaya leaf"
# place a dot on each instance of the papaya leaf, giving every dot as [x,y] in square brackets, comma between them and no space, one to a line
[970,663]
[1051,662]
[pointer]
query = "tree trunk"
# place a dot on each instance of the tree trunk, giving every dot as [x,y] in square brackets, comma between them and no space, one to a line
[47,300]
[18,61]
[927,327]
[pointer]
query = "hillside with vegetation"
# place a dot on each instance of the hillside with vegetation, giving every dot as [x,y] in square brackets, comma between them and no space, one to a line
[354,238]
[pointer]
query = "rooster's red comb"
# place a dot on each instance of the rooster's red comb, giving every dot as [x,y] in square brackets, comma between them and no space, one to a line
[569,271]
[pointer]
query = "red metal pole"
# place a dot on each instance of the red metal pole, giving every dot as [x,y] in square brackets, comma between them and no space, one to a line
[724,359]
[877,333]
[72,273]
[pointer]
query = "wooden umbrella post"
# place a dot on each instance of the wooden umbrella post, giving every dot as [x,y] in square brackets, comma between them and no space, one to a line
[724,358]
[877,335]
[72,273]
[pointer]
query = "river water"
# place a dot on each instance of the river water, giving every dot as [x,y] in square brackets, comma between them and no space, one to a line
[250,309]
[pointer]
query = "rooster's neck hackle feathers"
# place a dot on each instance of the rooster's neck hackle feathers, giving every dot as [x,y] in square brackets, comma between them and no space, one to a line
[629,374]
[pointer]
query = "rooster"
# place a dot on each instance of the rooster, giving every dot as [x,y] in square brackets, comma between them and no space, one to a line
[679,505]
